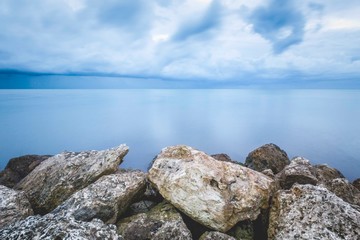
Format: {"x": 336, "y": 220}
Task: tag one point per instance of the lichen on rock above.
{"x": 161, "y": 222}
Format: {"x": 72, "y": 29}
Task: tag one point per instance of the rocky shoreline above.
{"x": 186, "y": 194}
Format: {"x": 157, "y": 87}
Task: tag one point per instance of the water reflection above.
{"x": 321, "y": 125}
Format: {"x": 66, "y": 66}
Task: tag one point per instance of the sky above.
{"x": 216, "y": 41}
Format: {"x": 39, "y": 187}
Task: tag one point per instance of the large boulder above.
{"x": 14, "y": 206}
{"x": 211, "y": 235}
{"x": 214, "y": 193}
{"x": 105, "y": 199}
{"x": 312, "y": 212}
{"x": 58, "y": 177}
{"x": 161, "y": 222}
{"x": 56, "y": 227}
{"x": 19, "y": 167}
{"x": 298, "y": 171}
{"x": 344, "y": 190}
{"x": 268, "y": 156}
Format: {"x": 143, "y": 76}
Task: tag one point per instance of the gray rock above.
{"x": 344, "y": 190}
{"x": 224, "y": 157}
{"x": 214, "y": 193}
{"x": 312, "y": 212}
{"x": 243, "y": 231}
{"x": 141, "y": 207}
{"x": 58, "y": 177}
{"x": 356, "y": 183}
{"x": 215, "y": 235}
{"x": 326, "y": 174}
{"x": 105, "y": 199}
{"x": 161, "y": 223}
{"x": 14, "y": 206}
{"x": 19, "y": 167}
{"x": 268, "y": 156}
{"x": 298, "y": 171}
{"x": 51, "y": 227}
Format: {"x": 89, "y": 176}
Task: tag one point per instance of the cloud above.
{"x": 134, "y": 15}
{"x": 182, "y": 39}
{"x": 209, "y": 20}
{"x": 316, "y": 6}
{"x": 280, "y": 23}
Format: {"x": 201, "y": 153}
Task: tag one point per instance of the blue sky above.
{"x": 227, "y": 41}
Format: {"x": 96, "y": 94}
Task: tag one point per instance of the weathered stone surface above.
{"x": 298, "y": 171}
{"x": 105, "y": 199}
{"x": 243, "y": 230}
{"x": 224, "y": 157}
{"x": 14, "y": 206}
{"x": 325, "y": 174}
{"x": 215, "y": 193}
{"x": 58, "y": 177}
{"x": 344, "y": 190}
{"x": 268, "y": 156}
{"x": 312, "y": 212}
{"x": 161, "y": 222}
{"x": 54, "y": 227}
{"x": 141, "y": 207}
{"x": 215, "y": 235}
{"x": 19, "y": 167}
{"x": 356, "y": 183}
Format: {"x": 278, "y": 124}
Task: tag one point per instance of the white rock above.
{"x": 214, "y": 193}
{"x": 14, "y": 206}
{"x": 50, "y": 227}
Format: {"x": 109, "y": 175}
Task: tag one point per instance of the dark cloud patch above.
{"x": 134, "y": 15}
{"x": 316, "y": 7}
{"x": 209, "y": 20}
{"x": 280, "y": 23}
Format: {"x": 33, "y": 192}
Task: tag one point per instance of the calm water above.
{"x": 321, "y": 125}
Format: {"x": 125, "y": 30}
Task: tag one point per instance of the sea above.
{"x": 320, "y": 125}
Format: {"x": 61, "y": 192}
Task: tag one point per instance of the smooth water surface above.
{"x": 321, "y": 125}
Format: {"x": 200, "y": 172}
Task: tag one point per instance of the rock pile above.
{"x": 187, "y": 194}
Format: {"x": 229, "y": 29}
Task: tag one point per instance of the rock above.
{"x": 269, "y": 173}
{"x": 161, "y": 222}
{"x": 243, "y": 230}
{"x": 344, "y": 190}
{"x": 58, "y": 177}
{"x": 105, "y": 199}
{"x": 268, "y": 156}
{"x": 312, "y": 212}
{"x": 325, "y": 174}
{"x": 152, "y": 194}
{"x": 55, "y": 227}
{"x": 19, "y": 167}
{"x": 356, "y": 183}
{"x": 298, "y": 171}
{"x": 14, "y": 206}
{"x": 224, "y": 157}
{"x": 141, "y": 207}
{"x": 214, "y": 193}
{"x": 215, "y": 235}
